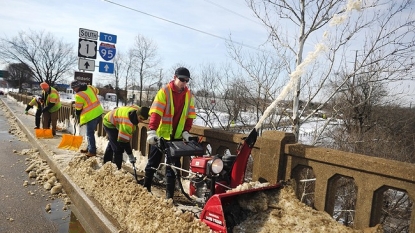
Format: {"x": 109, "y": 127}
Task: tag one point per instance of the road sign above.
{"x": 106, "y": 67}
{"x": 107, "y": 51}
{"x": 107, "y": 37}
{"x": 85, "y": 64}
{"x": 84, "y": 77}
{"x": 88, "y": 34}
{"x": 87, "y": 48}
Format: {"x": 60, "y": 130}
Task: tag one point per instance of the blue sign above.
{"x": 107, "y": 37}
{"x": 107, "y": 51}
{"x": 106, "y": 67}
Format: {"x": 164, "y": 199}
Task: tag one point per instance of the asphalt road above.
{"x": 21, "y": 211}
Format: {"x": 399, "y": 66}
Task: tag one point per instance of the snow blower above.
{"x": 212, "y": 177}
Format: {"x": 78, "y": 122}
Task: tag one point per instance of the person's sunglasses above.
{"x": 184, "y": 80}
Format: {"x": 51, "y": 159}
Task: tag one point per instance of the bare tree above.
{"x": 123, "y": 71}
{"x": 144, "y": 52}
{"x": 220, "y": 97}
{"x": 261, "y": 82}
{"x": 381, "y": 30}
{"x": 49, "y": 59}
{"x": 19, "y": 73}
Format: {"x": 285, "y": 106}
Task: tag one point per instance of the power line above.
{"x": 182, "y": 25}
{"x": 231, "y": 11}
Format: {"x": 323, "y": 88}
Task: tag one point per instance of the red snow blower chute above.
{"x": 212, "y": 176}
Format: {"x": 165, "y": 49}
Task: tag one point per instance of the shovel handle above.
{"x": 135, "y": 173}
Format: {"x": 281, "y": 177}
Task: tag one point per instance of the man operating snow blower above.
{"x": 171, "y": 117}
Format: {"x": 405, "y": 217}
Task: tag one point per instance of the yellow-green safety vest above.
{"x": 89, "y": 103}
{"x": 118, "y": 118}
{"x": 163, "y": 105}
{"x": 53, "y": 97}
{"x": 33, "y": 102}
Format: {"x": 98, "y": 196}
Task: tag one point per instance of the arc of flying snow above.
{"x": 312, "y": 56}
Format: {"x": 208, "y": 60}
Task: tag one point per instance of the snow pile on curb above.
{"x": 130, "y": 204}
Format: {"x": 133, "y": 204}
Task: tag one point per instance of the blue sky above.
{"x": 176, "y": 44}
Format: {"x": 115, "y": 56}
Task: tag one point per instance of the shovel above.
{"x": 43, "y": 133}
{"x": 135, "y": 173}
{"x": 71, "y": 142}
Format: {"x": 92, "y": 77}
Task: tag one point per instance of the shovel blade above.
{"x": 43, "y": 133}
{"x": 70, "y": 142}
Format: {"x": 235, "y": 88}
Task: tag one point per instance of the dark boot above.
{"x": 171, "y": 184}
{"x": 148, "y": 179}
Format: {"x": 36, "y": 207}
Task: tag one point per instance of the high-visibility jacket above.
{"x": 35, "y": 103}
{"x": 163, "y": 105}
{"x": 88, "y": 102}
{"x": 52, "y": 97}
{"x": 118, "y": 118}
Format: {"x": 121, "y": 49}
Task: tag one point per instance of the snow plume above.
{"x": 312, "y": 56}
{"x": 294, "y": 76}
{"x": 354, "y": 5}
{"x": 340, "y": 18}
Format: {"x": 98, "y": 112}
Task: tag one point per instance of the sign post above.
{"x": 87, "y": 50}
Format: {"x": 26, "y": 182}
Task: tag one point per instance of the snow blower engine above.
{"x": 212, "y": 176}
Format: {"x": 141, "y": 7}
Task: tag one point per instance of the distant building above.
{"x": 3, "y": 73}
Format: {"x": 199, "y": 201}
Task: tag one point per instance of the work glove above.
{"x": 185, "y": 136}
{"x": 152, "y": 137}
{"x": 26, "y": 112}
{"x": 131, "y": 158}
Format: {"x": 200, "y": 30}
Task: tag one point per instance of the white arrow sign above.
{"x": 106, "y": 67}
{"x": 85, "y": 64}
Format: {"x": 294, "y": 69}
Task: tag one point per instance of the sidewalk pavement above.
{"x": 92, "y": 218}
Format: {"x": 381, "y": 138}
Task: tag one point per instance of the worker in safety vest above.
{"x": 171, "y": 117}
{"x": 50, "y": 107}
{"x": 120, "y": 125}
{"x": 88, "y": 111}
{"x": 35, "y": 102}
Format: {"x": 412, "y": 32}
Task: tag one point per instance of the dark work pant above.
{"x": 37, "y": 117}
{"x": 114, "y": 150}
{"x": 48, "y": 118}
{"x": 154, "y": 160}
